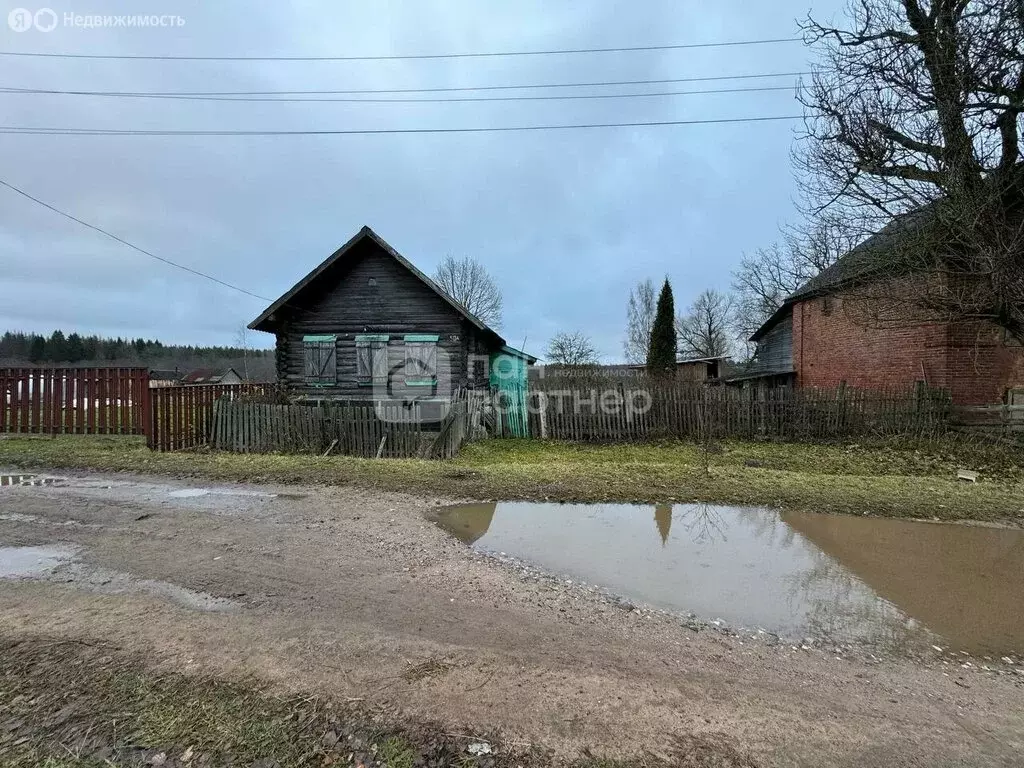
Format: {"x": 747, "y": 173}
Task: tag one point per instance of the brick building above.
{"x": 823, "y": 335}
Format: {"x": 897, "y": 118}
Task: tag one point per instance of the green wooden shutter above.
{"x": 380, "y": 362}
{"x": 420, "y": 360}
{"x": 364, "y": 361}
{"x": 310, "y": 361}
{"x": 328, "y": 367}
{"x": 319, "y": 359}
{"x": 428, "y": 361}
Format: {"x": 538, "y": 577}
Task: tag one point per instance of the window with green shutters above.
{"x": 319, "y": 360}
{"x": 421, "y": 359}
{"x": 372, "y": 358}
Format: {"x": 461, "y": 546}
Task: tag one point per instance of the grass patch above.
{"x": 69, "y": 704}
{"x": 73, "y": 705}
{"x": 890, "y": 478}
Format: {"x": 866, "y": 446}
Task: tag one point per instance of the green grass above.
{"x": 72, "y": 704}
{"x": 890, "y": 478}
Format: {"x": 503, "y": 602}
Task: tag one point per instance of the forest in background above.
{"x": 74, "y": 349}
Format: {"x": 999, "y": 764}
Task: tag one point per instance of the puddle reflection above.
{"x": 891, "y": 583}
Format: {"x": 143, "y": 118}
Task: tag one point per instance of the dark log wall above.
{"x": 368, "y": 292}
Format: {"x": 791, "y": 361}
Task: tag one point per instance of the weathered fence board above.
{"x": 623, "y": 411}
{"x": 79, "y": 401}
{"x": 181, "y": 417}
{"x": 991, "y": 418}
{"x": 387, "y": 430}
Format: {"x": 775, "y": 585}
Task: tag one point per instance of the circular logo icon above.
{"x": 45, "y": 20}
{"x": 20, "y": 20}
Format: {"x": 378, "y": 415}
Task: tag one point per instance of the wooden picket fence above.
{"x": 74, "y": 401}
{"x": 181, "y": 417}
{"x": 1006, "y": 419}
{"x": 626, "y": 412}
{"x": 380, "y": 430}
{"x": 245, "y": 418}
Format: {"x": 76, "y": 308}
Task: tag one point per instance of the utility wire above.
{"x": 403, "y": 100}
{"x": 134, "y": 247}
{"x": 21, "y": 130}
{"x": 356, "y": 91}
{"x": 407, "y": 57}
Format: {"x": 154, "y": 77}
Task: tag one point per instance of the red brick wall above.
{"x": 830, "y": 345}
{"x": 982, "y": 365}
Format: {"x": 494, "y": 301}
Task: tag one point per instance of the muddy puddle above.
{"x": 31, "y": 562}
{"x": 198, "y": 493}
{"x": 893, "y": 584}
{"x": 60, "y": 564}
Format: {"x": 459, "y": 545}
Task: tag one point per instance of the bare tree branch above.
{"x": 468, "y": 282}
{"x": 766, "y": 277}
{"x": 916, "y": 105}
{"x": 705, "y": 330}
{"x": 643, "y": 300}
{"x": 571, "y": 350}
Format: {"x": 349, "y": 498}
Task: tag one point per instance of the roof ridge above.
{"x": 367, "y": 232}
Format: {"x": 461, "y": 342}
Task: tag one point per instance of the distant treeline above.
{"x": 75, "y": 349}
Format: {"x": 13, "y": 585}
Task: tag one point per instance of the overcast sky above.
{"x": 566, "y": 221}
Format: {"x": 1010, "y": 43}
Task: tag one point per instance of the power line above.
{"x": 376, "y": 91}
{"x": 403, "y": 100}
{"x": 143, "y": 251}
{"x": 407, "y": 57}
{"x": 21, "y": 130}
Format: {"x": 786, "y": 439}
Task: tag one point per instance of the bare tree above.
{"x": 916, "y": 106}
{"x": 640, "y": 311}
{"x": 242, "y": 342}
{"x": 706, "y": 328}
{"x": 766, "y": 277}
{"x": 468, "y": 282}
{"x": 571, "y": 350}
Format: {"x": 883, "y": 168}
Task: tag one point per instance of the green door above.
{"x": 508, "y": 379}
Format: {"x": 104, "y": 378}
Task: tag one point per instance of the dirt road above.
{"x": 355, "y": 594}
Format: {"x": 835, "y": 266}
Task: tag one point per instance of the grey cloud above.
{"x": 567, "y": 221}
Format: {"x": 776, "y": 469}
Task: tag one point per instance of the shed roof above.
{"x": 761, "y": 373}
{"x": 157, "y": 374}
{"x": 265, "y": 321}
{"x": 513, "y": 352}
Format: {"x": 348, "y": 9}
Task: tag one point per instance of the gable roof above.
{"x": 207, "y": 376}
{"x": 199, "y": 376}
{"x": 858, "y": 265}
{"x": 364, "y": 234}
